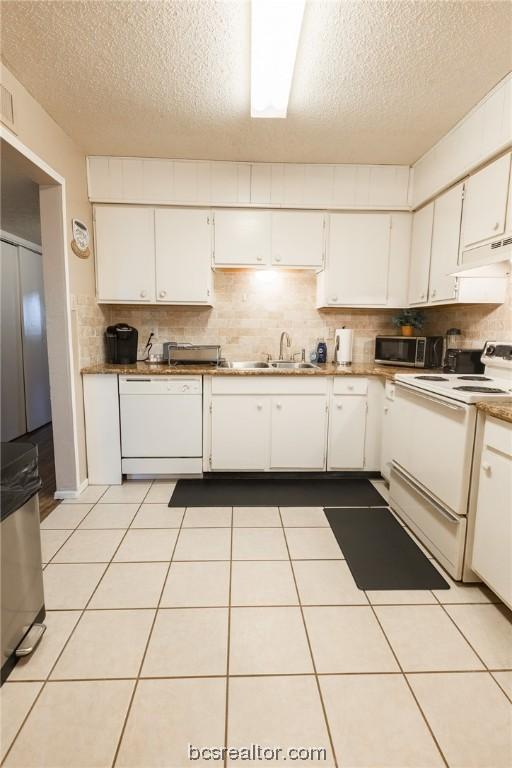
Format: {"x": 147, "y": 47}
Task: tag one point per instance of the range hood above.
{"x": 490, "y": 260}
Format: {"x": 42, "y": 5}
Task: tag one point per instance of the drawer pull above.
{"x": 486, "y": 467}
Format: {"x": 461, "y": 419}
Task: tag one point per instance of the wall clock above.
{"x": 80, "y": 242}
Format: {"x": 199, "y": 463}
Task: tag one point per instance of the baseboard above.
{"x": 72, "y": 494}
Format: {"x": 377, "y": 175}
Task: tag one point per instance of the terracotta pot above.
{"x": 407, "y": 330}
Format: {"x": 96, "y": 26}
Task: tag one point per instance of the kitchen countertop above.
{"x": 328, "y": 369}
{"x": 498, "y": 410}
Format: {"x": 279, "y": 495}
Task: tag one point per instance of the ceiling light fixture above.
{"x": 275, "y": 32}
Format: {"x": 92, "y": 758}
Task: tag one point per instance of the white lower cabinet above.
{"x": 492, "y": 544}
{"x": 265, "y": 423}
{"x": 298, "y": 432}
{"x": 347, "y": 432}
{"x": 240, "y": 432}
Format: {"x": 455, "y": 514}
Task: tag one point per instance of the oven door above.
{"x": 432, "y": 441}
{"x": 395, "y": 350}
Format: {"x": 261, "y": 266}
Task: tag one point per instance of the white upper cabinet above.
{"x": 485, "y": 204}
{"x": 125, "y": 254}
{"x": 481, "y": 135}
{"x": 421, "y": 243}
{"x": 357, "y": 260}
{"x": 183, "y": 242}
{"x": 273, "y": 185}
{"x": 242, "y": 238}
{"x": 297, "y": 239}
{"x": 445, "y": 245}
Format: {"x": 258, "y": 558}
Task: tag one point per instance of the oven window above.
{"x": 396, "y": 350}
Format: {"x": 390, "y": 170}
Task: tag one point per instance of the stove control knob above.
{"x": 491, "y": 350}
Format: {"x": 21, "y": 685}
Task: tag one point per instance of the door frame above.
{"x": 53, "y": 213}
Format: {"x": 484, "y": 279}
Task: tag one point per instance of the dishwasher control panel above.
{"x": 160, "y": 385}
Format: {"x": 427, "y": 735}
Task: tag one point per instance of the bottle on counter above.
{"x": 321, "y": 351}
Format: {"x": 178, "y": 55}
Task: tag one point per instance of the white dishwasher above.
{"x": 161, "y": 424}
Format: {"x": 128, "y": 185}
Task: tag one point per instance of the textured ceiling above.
{"x": 375, "y": 81}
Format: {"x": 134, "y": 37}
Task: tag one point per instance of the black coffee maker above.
{"x": 121, "y": 342}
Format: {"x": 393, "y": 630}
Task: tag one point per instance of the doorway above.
{"x": 24, "y": 368}
{"x": 53, "y": 426}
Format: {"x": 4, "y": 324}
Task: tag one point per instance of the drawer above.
{"x": 444, "y": 536}
{"x": 350, "y": 385}
{"x": 266, "y": 384}
{"x": 498, "y": 435}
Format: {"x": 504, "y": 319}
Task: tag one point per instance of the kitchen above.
{"x": 283, "y": 432}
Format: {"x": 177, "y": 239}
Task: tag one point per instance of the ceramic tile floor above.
{"x": 214, "y": 627}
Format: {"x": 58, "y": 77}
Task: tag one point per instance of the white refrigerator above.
{"x": 25, "y": 385}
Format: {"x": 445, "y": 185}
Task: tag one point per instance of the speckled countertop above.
{"x": 498, "y": 410}
{"x": 329, "y": 369}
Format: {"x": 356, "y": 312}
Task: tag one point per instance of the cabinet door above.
{"x": 13, "y": 423}
{"x": 358, "y": 258}
{"x": 485, "y": 204}
{"x": 347, "y": 431}
{"x": 242, "y": 238}
{"x": 183, "y": 256}
{"x": 298, "y": 426}
{"x": 125, "y": 253}
{"x": 445, "y": 244}
{"x": 35, "y": 350}
{"x": 421, "y": 243}
{"x": 240, "y": 427}
{"x": 297, "y": 239}
{"x": 492, "y": 548}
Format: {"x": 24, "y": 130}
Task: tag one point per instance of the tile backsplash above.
{"x": 253, "y": 307}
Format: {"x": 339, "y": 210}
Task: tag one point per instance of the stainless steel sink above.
{"x": 244, "y": 365}
{"x": 289, "y": 364}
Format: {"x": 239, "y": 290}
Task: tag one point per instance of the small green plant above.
{"x": 409, "y": 317}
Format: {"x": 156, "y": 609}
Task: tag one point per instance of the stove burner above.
{"x": 474, "y": 378}
{"x": 485, "y": 390}
{"x": 431, "y": 378}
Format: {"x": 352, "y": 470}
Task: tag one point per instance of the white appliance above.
{"x": 433, "y": 434}
{"x": 344, "y": 338}
{"x": 25, "y": 382}
{"x": 161, "y": 424}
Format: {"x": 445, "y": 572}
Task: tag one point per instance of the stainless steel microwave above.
{"x": 415, "y": 351}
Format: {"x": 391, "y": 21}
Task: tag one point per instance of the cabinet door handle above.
{"x": 143, "y": 294}
{"x": 278, "y": 258}
{"x": 496, "y": 226}
{"x": 486, "y": 467}
{"x": 334, "y": 298}
{"x": 162, "y": 294}
{"x": 259, "y": 258}
{"x": 350, "y": 386}
{"x": 259, "y": 406}
{"x": 434, "y": 292}
{"x": 339, "y": 406}
{"x": 279, "y": 406}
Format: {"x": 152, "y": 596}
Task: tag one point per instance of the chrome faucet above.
{"x": 284, "y": 336}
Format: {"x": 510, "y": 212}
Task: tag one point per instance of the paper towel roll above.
{"x": 344, "y": 338}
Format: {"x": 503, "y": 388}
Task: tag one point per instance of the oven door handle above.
{"x": 438, "y": 401}
{"x": 452, "y": 518}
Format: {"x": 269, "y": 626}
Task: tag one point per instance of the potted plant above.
{"x": 409, "y": 320}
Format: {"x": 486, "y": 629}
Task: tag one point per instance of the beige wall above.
{"x": 41, "y": 134}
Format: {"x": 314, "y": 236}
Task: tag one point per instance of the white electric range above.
{"x": 433, "y": 437}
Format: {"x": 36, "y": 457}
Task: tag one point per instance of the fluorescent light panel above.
{"x": 275, "y": 32}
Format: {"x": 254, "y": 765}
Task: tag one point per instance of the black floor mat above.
{"x": 380, "y": 553}
{"x": 275, "y": 492}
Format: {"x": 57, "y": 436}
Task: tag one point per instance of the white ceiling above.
{"x": 375, "y": 81}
